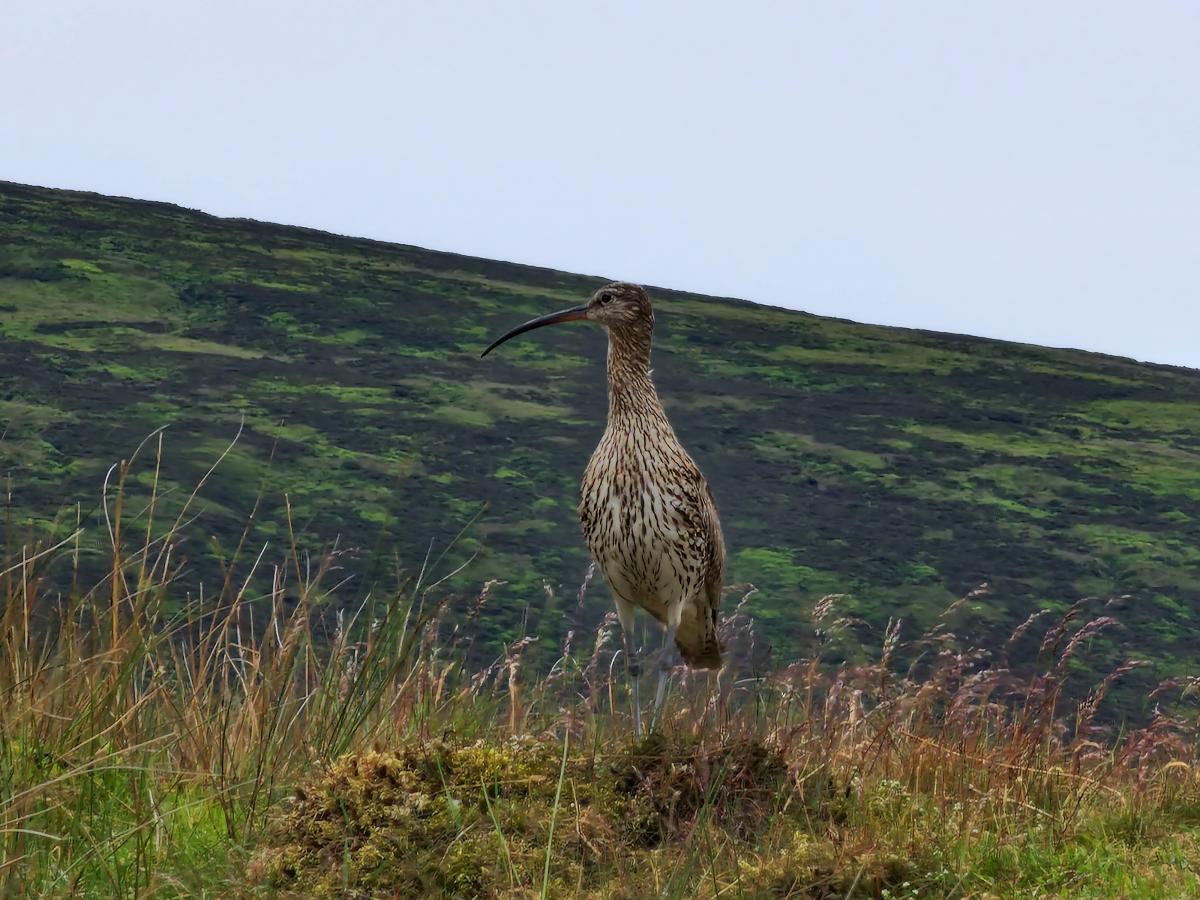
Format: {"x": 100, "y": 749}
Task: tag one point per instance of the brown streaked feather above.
{"x": 647, "y": 512}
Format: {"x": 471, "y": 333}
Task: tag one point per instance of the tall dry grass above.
{"x": 139, "y": 707}
{"x": 151, "y": 730}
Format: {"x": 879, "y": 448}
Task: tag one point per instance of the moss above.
{"x": 786, "y": 446}
{"x": 474, "y": 819}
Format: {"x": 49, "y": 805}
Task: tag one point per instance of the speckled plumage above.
{"x": 648, "y": 515}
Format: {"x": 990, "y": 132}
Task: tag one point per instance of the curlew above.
{"x": 647, "y": 513}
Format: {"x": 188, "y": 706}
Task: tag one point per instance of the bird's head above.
{"x": 621, "y": 307}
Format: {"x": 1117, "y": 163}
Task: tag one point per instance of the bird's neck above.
{"x": 631, "y": 393}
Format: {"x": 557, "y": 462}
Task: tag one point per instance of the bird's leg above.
{"x": 633, "y": 669}
{"x": 666, "y": 662}
{"x": 633, "y": 661}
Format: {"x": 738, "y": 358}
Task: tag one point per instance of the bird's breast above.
{"x": 635, "y": 508}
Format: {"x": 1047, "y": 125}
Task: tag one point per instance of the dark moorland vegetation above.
{"x": 232, "y": 662}
{"x": 903, "y": 468}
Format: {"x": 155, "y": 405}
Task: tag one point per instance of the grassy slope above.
{"x": 905, "y": 467}
{"x": 147, "y": 751}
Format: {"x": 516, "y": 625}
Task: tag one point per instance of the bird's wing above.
{"x": 698, "y": 522}
{"x": 714, "y": 574}
{"x": 697, "y": 637}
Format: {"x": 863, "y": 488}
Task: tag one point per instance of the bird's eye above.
{"x": 606, "y": 298}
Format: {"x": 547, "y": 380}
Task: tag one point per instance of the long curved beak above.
{"x": 563, "y": 315}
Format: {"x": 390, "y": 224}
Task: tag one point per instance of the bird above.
{"x": 648, "y": 514}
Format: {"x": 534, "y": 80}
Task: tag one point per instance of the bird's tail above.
{"x": 707, "y": 656}
{"x": 697, "y": 642}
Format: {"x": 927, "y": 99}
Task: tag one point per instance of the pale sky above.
{"x": 1018, "y": 170}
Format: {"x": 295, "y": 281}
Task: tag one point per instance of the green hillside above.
{"x": 902, "y": 467}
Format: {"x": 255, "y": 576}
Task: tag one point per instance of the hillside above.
{"x": 902, "y": 467}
